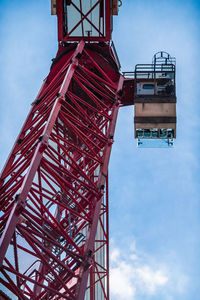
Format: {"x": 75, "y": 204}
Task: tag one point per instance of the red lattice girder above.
{"x": 54, "y": 216}
{"x": 84, "y": 20}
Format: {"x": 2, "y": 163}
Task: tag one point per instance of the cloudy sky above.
{"x": 154, "y": 193}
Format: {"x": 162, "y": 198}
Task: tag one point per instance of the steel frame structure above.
{"x": 88, "y": 20}
{"x": 54, "y": 225}
{"x": 52, "y": 185}
{"x": 54, "y": 221}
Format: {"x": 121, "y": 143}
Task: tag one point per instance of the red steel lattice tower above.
{"x": 53, "y": 187}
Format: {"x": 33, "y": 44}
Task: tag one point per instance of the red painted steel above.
{"x": 88, "y": 20}
{"x": 54, "y": 220}
{"x": 54, "y": 225}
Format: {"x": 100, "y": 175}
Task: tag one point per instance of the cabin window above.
{"x": 155, "y": 133}
{"x": 170, "y": 133}
{"x": 139, "y": 133}
{"x": 147, "y": 86}
{"x": 163, "y": 133}
{"x": 147, "y": 133}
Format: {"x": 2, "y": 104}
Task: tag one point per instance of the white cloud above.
{"x": 150, "y": 280}
{"x": 133, "y": 256}
{"x": 136, "y": 274}
{"x": 133, "y": 246}
{"x": 114, "y": 255}
{"x": 121, "y": 281}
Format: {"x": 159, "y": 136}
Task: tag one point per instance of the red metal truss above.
{"x": 54, "y": 211}
{"x": 88, "y": 20}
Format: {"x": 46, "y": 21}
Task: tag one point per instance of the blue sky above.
{"x": 154, "y": 193}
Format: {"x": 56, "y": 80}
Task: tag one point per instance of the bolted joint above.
{"x": 16, "y": 197}
{"x": 40, "y": 138}
{"x": 102, "y": 187}
{"x": 119, "y": 93}
{"x": 43, "y": 139}
{"x": 88, "y": 261}
{"x": 42, "y": 147}
{"x": 89, "y": 257}
{"x": 36, "y": 102}
{"x": 19, "y": 141}
{"x": 20, "y": 203}
{"x": 79, "y": 55}
{"x": 90, "y": 253}
{"x": 74, "y": 63}
{"x": 118, "y": 101}
{"x": 62, "y": 100}
{"x": 110, "y": 142}
{"x": 103, "y": 174}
